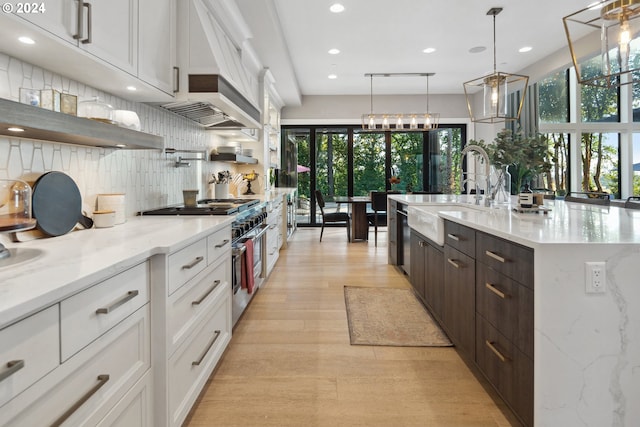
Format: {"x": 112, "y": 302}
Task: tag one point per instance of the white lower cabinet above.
{"x": 135, "y": 408}
{"x": 192, "y": 317}
{"x": 29, "y": 350}
{"x": 191, "y": 365}
{"x": 83, "y": 390}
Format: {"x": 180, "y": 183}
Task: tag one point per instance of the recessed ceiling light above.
{"x": 429, "y": 50}
{"x": 334, "y": 51}
{"x": 336, "y": 8}
{"x": 132, "y": 88}
{"x": 26, "y": 40}
{"x": 477, "y": 49}
{"x": 333, "y": 76}
{"x": 525, "y": 49}
{"x": 15, "y": 129}
{"x": 121, "y": 145}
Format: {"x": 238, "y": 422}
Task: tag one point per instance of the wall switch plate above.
{"x": 596, "y": 278}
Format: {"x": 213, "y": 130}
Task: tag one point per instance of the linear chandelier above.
{"x": 496, "y": 88}
{"x": 616, "y": 24}
{"x": 400, "y": 121}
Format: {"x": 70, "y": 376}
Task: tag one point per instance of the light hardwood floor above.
{"x": 290, "y": 363}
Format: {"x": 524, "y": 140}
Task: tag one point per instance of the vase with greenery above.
{"x": 524, "y": 157}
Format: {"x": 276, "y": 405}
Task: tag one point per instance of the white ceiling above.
{"x": 292, "y": 38}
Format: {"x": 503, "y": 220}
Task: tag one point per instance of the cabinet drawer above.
{"x": 460, "y": 237}
{"x": 218, "y": 244}
{"x": 134, "y": 409}
{"x": 90, "y": 313}
{"x": 194, "y": 361}
{"x": 83, "y": 390}
{"x": 188, "y": 304}
{"x": 506, "y": 305}
{"x": 508, "y": 258}
{"x": 32, "y": 347}
{"x": 186, "y": 263}
{"x": 506, "y": 368}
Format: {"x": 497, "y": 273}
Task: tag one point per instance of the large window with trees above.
{"x": 590, "y": 132}
{"x": 346, "y": 161}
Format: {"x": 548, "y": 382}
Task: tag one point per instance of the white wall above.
{"x": 148, "y": 177}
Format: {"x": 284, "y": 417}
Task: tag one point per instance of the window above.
{"x": 636, "y": 164}
{"x": 556, "y": 179}
{"x": 407, "y": 161}
{"x": 369, "y": 155}
{"x": 598, "y": 104}
{"x": 554, "y": 98}
{"x": 599, "y": 156}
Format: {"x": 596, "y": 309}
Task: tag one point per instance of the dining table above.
{"x": 359, "y": 221}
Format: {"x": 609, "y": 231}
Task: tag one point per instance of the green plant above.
{"x": 525, "y": 156}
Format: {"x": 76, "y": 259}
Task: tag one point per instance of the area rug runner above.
{"x": 391, "y": 317}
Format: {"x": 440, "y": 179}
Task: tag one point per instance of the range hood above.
{"x": 214, "y": 103}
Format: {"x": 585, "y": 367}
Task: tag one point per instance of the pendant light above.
{"x": 613, "y": 24}
{"x": 495, "y": 88}
{"x": 396, "y": 121}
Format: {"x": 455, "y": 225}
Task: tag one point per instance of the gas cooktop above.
{"x": 206, "y": 207}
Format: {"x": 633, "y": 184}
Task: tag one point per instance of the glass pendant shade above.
{"x": 495, "y": 88}
{"x": 614, "y": 25}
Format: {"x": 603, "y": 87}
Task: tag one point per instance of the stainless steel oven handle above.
{"x": 265, "y": 228}
{"x": 239, "y": 250}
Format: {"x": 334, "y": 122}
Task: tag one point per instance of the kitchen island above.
{"x": 586, "y": 346}
{"x": 119, "y": 325}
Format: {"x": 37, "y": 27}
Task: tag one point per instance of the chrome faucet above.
{"x": 488, "y": 195}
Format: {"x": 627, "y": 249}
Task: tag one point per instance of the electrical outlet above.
{"x": 596, "y": 277}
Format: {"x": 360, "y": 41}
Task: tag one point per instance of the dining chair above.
{"x": 332, "y": 217}
{"x": 379, "y": 207}
{"x": 632, "y": 202}
{"x": 593, "y": 198}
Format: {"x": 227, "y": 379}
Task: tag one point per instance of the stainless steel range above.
{"x": 249, "y": 224}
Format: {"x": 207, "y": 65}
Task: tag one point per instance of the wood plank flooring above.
{"x": 290, "y": 363}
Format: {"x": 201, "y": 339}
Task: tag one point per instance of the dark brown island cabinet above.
{"x": 480, "y": 289}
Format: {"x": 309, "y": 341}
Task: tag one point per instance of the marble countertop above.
{"x": 66, "y": 264}
{"x": 566, "y": 223}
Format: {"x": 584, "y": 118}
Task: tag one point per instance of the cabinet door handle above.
{"x": 199, "y": 361}
{"x": 493, "y": 348}
{"x": 495, "y": 290}
{"x": 224, "y": 242}
{"x": 129, "y": 296}
{"x": 193, "y": 263}
{"x": 13, "y": 367}
{"x": 454, "y": 263}
{"x": 495, "y": 256}
{"x": 80, "y": 21}
{"x": 102, "y": 380}
{"x": 176, "y": 84}
{"x": 203, "y": 297}
{"x": 89, "y": 32}
{"x": 453, "y": 237}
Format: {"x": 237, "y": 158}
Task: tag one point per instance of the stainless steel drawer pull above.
{"x": 193, "y": 263}
{"x": 129, "y": 296}
{"x": 13, "y": 367}
{"x": 213, "y": 341}
{"x": 496, "y": 290}
{"x": 453, "y": 237}
{"x": 422, "y": 244}
{"x": 454, "y": 263}
{"x": 495, "y": 256}
{"x": 224, "y": 242}
{"x": 102, "y": 380}
{"x": 89, "y": 31}
{"x": 203, "y": 297}
{"x": 79, "y": 21}
{"x": 493, "y": 348}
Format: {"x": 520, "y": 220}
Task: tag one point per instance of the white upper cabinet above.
{"x": 108, "y": 30}
{"x": 135, "y": 36}
{"x": 157, "y": 43}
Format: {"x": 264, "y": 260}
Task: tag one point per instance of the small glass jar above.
{"x": 95, "y": 109}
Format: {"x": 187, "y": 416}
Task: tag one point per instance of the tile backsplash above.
{"x": 147, "y": 177}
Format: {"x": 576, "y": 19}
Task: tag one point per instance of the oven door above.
{"x": 259, "y": 237}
